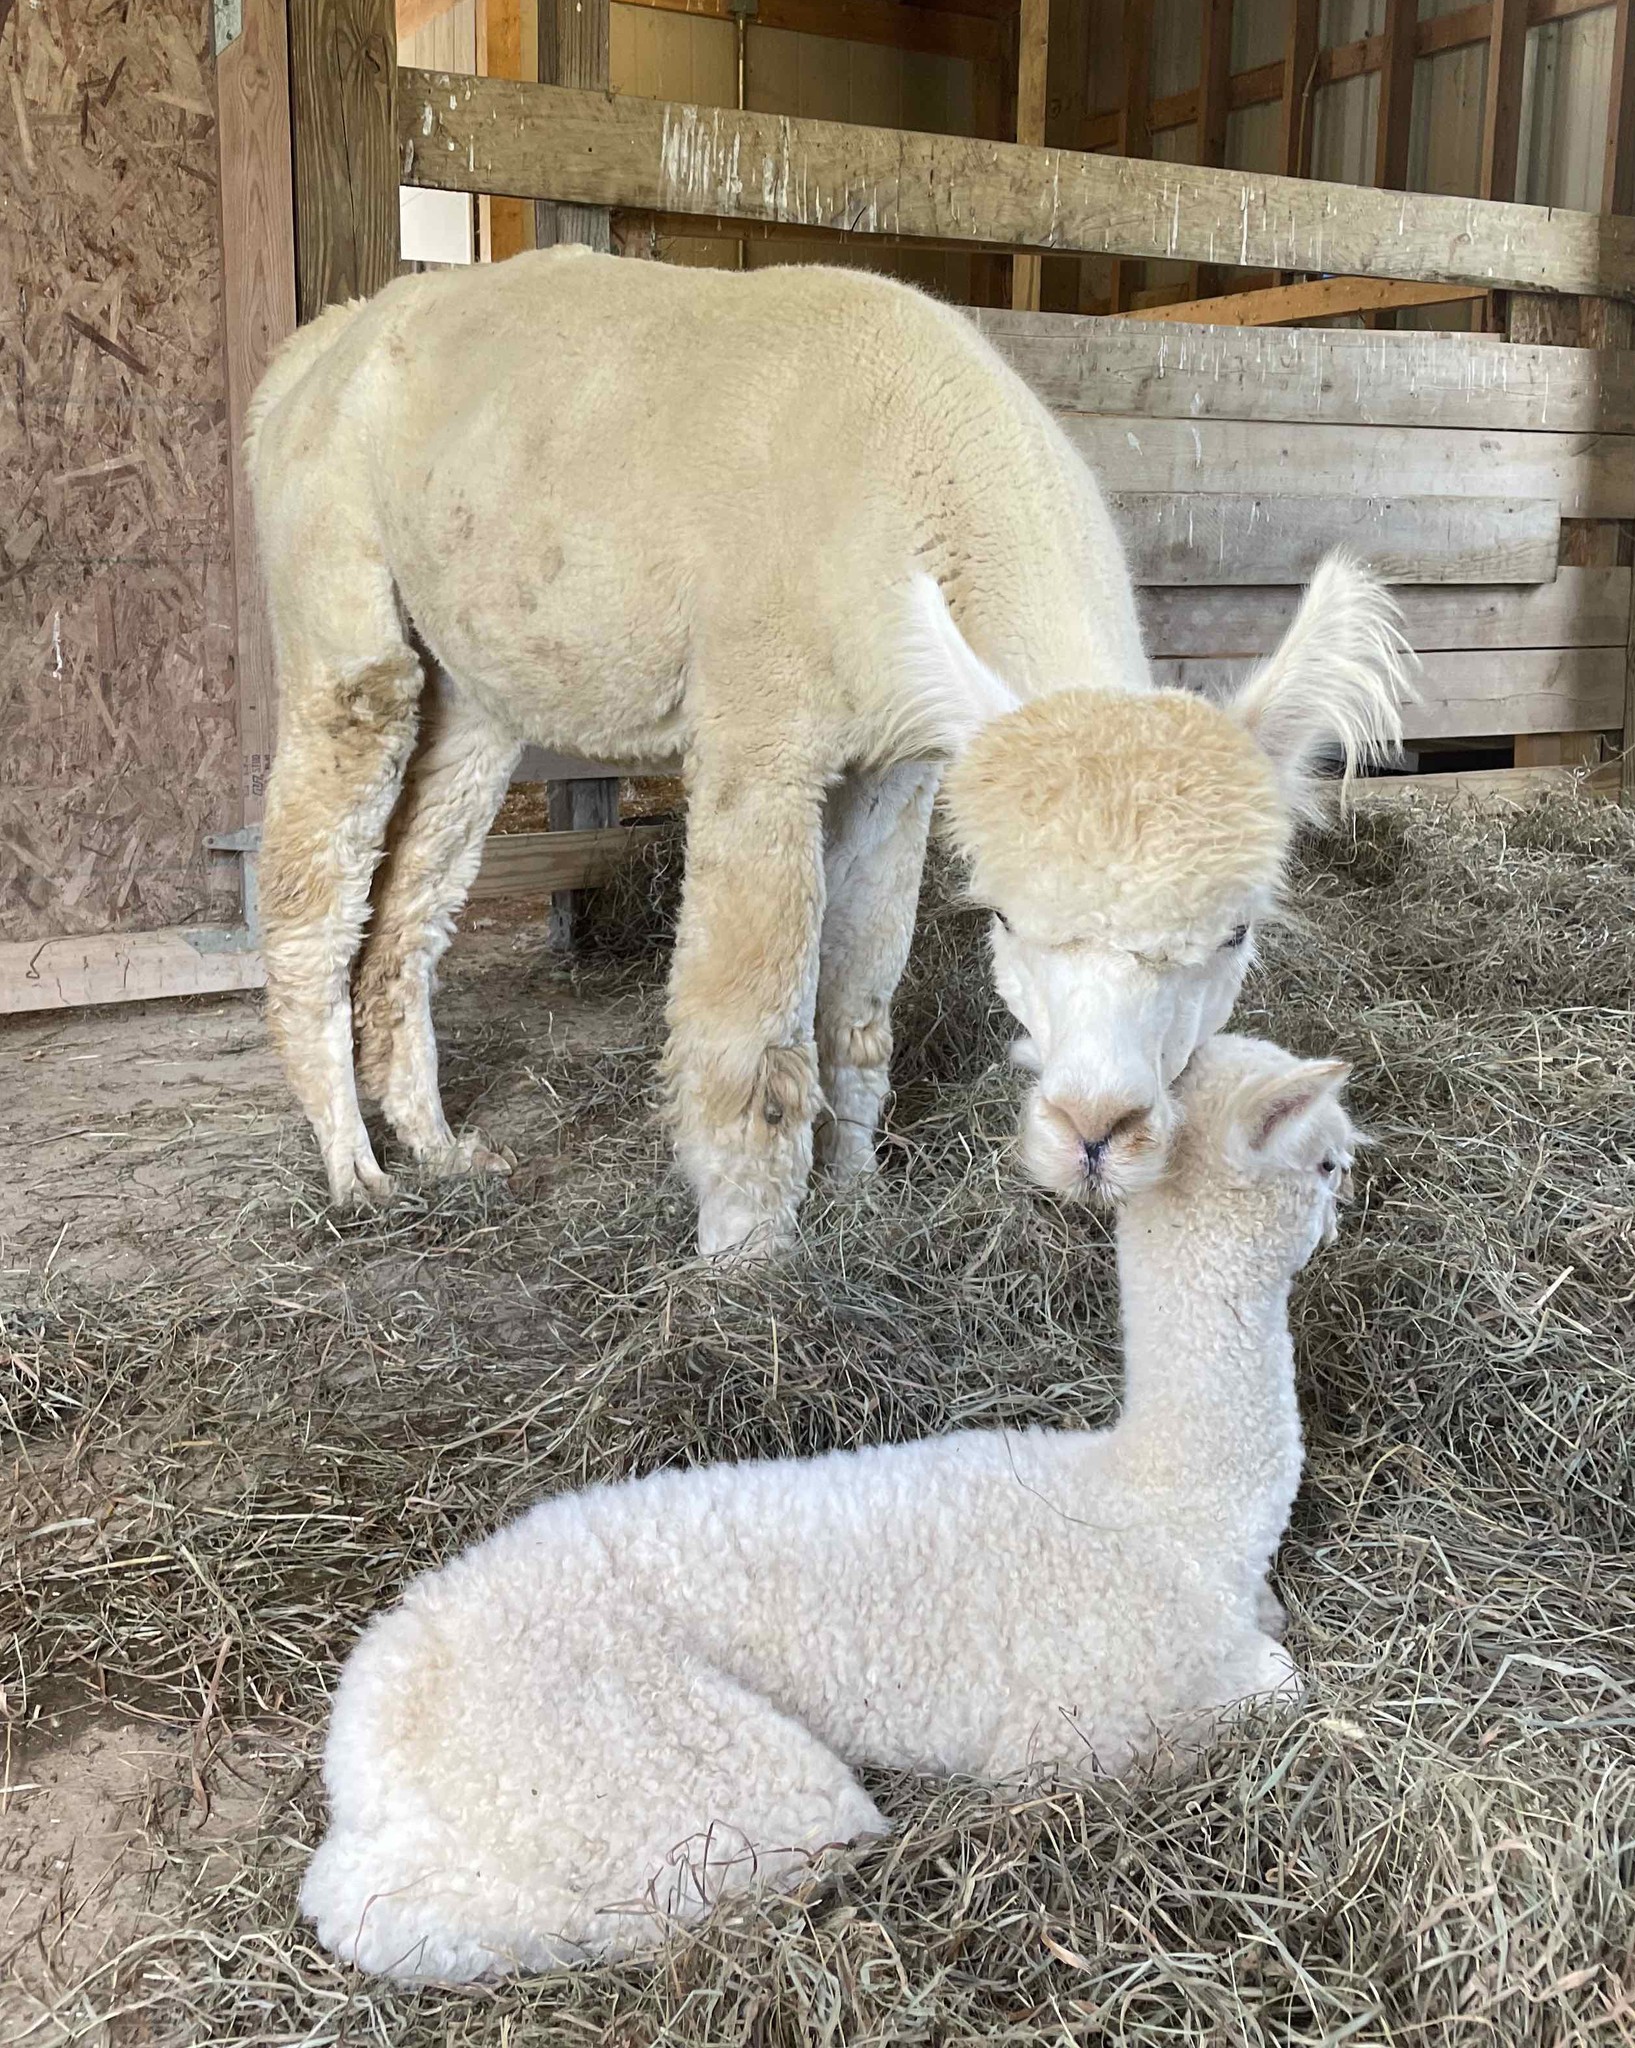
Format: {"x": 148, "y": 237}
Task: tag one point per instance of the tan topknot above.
{"x": 1086, "y": 815}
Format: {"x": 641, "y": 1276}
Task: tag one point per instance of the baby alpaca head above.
{"x": 1264, "y": 1144}
{"x": 1128, "y": 842}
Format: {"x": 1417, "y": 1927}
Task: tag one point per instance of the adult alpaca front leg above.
{"x": 876, "y": 832}
{"x": 741, "y": 1066}
{"x": 347, "y": 725}
{"x": 454, "y": 784}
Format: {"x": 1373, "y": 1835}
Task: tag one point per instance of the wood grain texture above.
{"x": 1299, "y": 69}
{"x": 1484, "y": 787}
{"x": 1201, "y": 537}
{"x": 1581, "y": 608}
{"x": 1214, "y": 104}
{"x": 476, "y": 135}
{"x": 1315, "y": 298}
{"x": 343, "y": 69}
{"x": 1588, "y": 476}
{"x": 1618, "y": 175}
{"x": 1475, "y": 695}
{"x": 574, "y": 38}
{"x": 1032, "y": 70}
{"x": 1501, "y": 112}
{"x": 1339, "y": 375}
{"x": 1396, "y": 105}
{"x": 258, "y": 311}
{"x": 124, "y": 967}
{"x": 544, "y": 863}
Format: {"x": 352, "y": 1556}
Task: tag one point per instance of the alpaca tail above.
{"x": 1336, "y": 682}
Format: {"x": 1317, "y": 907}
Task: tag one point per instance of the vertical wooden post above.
{"x": 1501, "y": 122}
{"x": 1134, "y": 120}
{"x": 1396, "y": 95}
{"x": 1032, "y": 59}
{"x": 1299, "y": 74}
{"x": 573, "y": 50}
{"x": 343, "y": 92}
{"x": 1618, "y": 178}
{"x": 258, "y": 311}
{"x": 506, "y": 225}
{"x": 1214, "y": 80}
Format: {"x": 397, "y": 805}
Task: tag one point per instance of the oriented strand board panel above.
{"x": 1199, "y": 536}
{"x": 118, "y": 737}
{"x": 1335, "y": 375}
{"x": 1588, "y": 476}
{"x": 1471, "y": 695}
{"x": 1581, "y": 608}
{"x": 494, "y": 135}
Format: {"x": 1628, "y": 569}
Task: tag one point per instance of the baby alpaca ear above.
{"x": 1271, "y": 1117}
{"x": 1337, "y": 681}
{"x": 951, "y": 692}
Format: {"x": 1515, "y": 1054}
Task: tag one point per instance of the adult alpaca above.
{"x": 641, "y": 512}
{"x": 639, "y": 1697}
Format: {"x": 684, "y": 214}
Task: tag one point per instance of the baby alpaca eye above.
{"x": 1237, "y": 938}
{"x": 1003, "y": 919}
{"x": 1328, "y": 1166}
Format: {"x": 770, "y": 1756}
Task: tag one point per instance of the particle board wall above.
{"x": 118, "y": 731}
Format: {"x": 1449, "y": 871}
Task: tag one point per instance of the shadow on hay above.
{"x": 1438, "y": 1846}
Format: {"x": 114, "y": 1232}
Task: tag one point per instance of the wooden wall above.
{"x": 118, "y": 735}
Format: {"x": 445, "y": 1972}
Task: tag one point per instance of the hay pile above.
{"x": 1438, "y": 1847}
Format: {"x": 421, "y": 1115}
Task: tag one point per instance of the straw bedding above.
{"x": 1438, "y": 1847}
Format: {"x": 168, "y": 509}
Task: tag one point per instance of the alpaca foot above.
{"x": 470, "y": 1153}
{"x": 845, "y": 1151}
{"x": 355, "y": 1177}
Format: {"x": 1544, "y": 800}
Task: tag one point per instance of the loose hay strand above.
{"x": 222, "y": 1473}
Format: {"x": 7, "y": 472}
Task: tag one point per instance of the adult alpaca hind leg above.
{"x": 349, "y": 687}
{"x": 876, "y": 826}
{"x": 458, "y": 774}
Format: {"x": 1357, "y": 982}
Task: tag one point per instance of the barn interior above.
{"x": 1265, "y": 261}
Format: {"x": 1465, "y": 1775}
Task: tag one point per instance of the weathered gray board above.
{"x": 1581, "y": 608}
{"x": 1335, "y": 376}
{"x": 1469, "y": 695}
{"x": 1590, "y": 476}
{"x": 1203, "y": 537}
{"x": 493, "y": 135}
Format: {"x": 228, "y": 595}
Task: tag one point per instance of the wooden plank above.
{"x": 1618, "y": 175}
{"x": 1214, "y": 81}
{"x": 1299, "y": 72}
{"x": 546, "y": 863}
{"x": 1501, "y": 118}
{"x": 125, "y": 967}
{"x": 343, "y": 69}
{"x": 574, "y": 42}
{"x": 1588, "y": 476}
{"x": 1581, "y": 608}
{"x": 491, "y": 135}
{"x": 961, "y": 33}
{"x": 1032, "y": 60}
{"x": 506, "y": 224}
{"x": 1483, "y": 786}
{"x": 1199, "y": 537}
{"x": 258, "y": 311}
{"x": 1134, "y": 136}
{"x": 1396, "y": 107}
{"x": 1474, "y": 695}
{"x": 1339, "y": 375}
{"x": 1317, "y": 298}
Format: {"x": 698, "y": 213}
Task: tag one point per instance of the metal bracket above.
{"x": 229, "y": 20}
{"x": 246, "y": 842}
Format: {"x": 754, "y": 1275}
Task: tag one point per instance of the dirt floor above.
{"x": 232, "y": 1425}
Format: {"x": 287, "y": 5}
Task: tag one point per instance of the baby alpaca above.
{"x": 639, "y": 1698}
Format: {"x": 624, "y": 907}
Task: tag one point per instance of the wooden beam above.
{"x": 1299, "y": 80}
{"x": 1501, "y": 119}
{"x": 1326, "y": 376}
{"x": 1481, "y": 786}
{"x": 1320, "y": 298}
{"x": 574, "y": 40}
{"x": 1618, "y": 175}
{"x": 942, "y": 32}
{"x": 506, "y": 225}
{"x": 1214, "y": 81}
{"x": 1032, "y": 61}
{"x": 258, "y": 311}
{"x": 481, "y": 134}
{"x": 125, "y": 967}
{"x": 549, "y": 863}
{"x": 343, "y": 71}
{"x": 1134, "y": 136}
{"x": 1396, "y": 110}
{"x": 1188, "y": 538}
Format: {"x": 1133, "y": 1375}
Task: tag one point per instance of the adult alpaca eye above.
{"x": 1327, "y": 1166}
{"x": 1237, "y": 938}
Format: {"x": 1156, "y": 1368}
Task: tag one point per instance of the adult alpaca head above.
{"x": 1128, "y": 844}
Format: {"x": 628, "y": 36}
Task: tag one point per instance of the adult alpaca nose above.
{"x": 1098, "y": 1122}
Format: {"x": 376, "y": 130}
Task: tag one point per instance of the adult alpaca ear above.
{"x": 1337, "y": 681}
{"x": 1270, "y": 1117}
{"x": 951, "y": 693}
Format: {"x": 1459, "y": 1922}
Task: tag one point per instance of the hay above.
{"x": 1438, "y": 1847}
